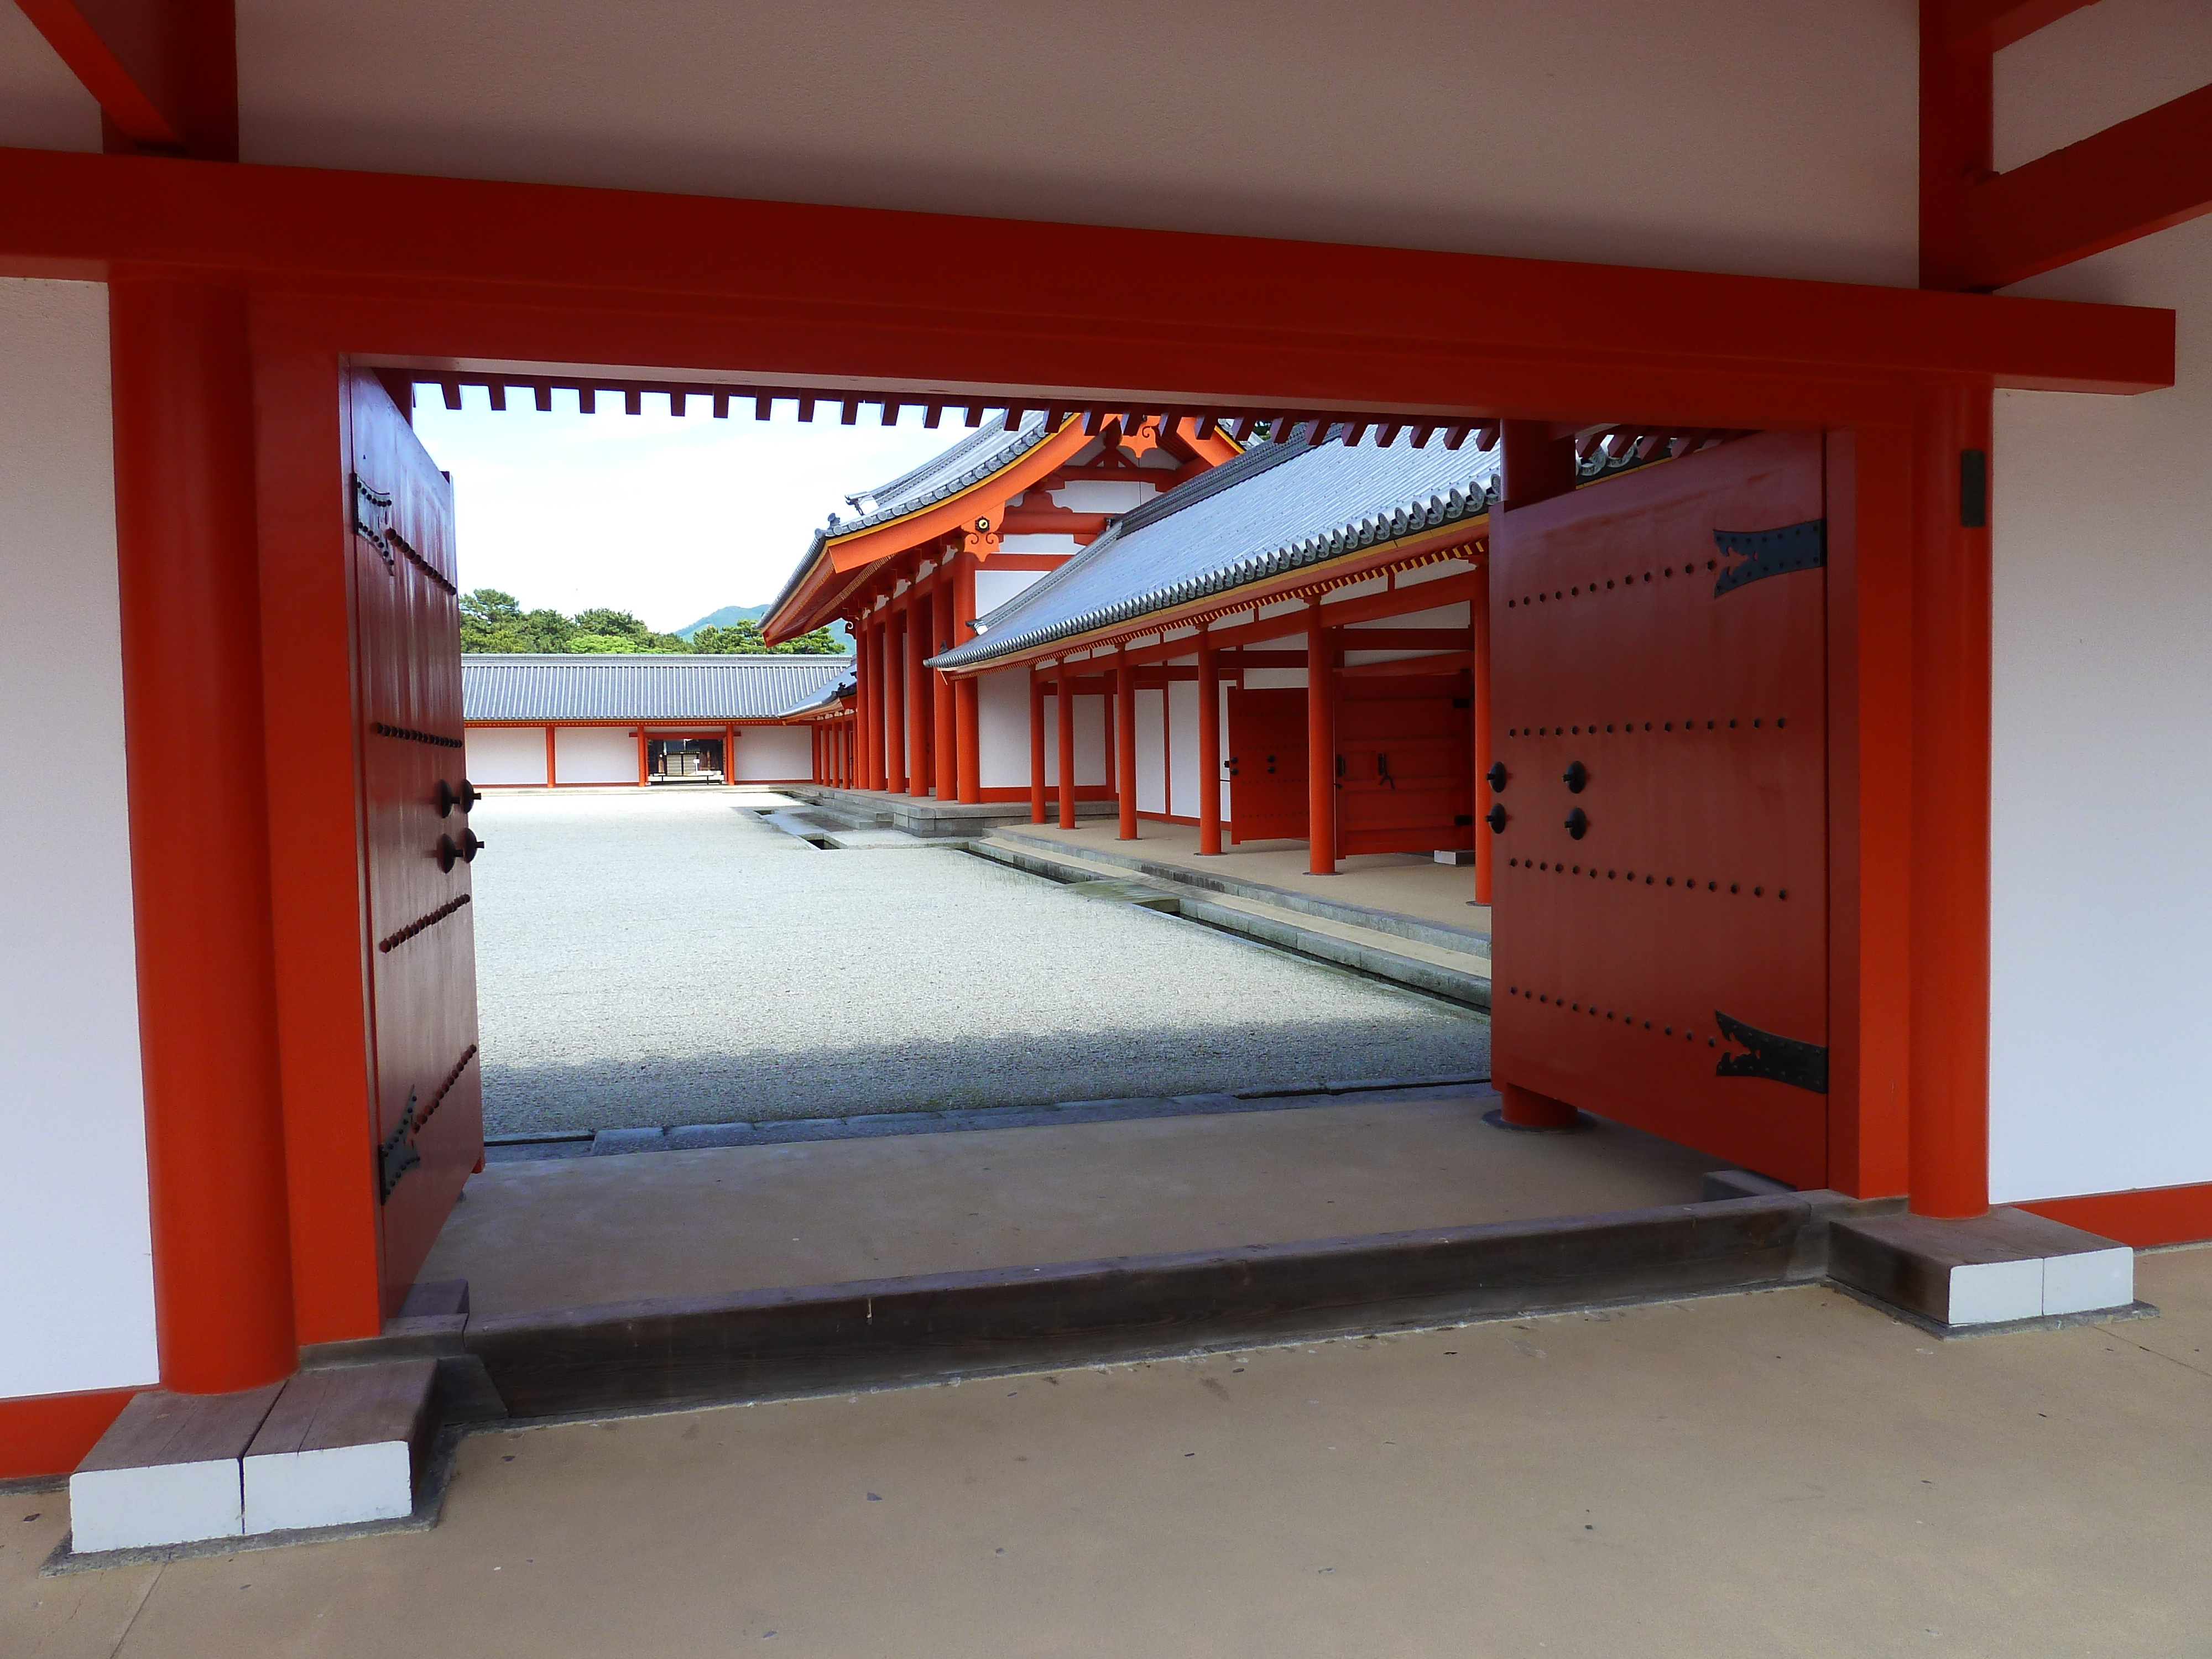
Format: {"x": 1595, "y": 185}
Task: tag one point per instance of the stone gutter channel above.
{"x": 688, "y": 1137}
{"x": 1433, "y": 957}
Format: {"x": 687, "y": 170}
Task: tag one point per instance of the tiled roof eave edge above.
{"x": 1245, "y": 573}
{"x": 958, "y": 484}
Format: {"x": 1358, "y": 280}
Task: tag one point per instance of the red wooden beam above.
{"x": 2128, "y": 181}
{"x": 164, "y": 72}
{"x": 1993, "y": 25}
{"x": 750, "y": 284}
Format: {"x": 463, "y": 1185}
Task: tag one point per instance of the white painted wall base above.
{"x": 333, "y": 1487}
{"x": 163, "y": 1504}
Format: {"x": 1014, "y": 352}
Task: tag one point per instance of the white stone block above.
{"x": 2088, "y": 1280}
{"x": 160, "y": 1504}
{"x": 334, "y": 1487}
{"x": 1992, "y": 1293}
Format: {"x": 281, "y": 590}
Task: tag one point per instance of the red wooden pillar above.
{"x": 872, "y": 768}
{"x": 1125, "y": 743}
{"x": 944, "y": 762}
{"x": 1321, "y": 745}
{"x": 1064, "y": 691}
{"x": 1036, "y": 746}
{"x": 895, "y": 701}
{"x": 967, "y": 722}
{"x": 644, "y": 763}
{"x": 1951, "y": 714}
{"x": 1485, "y": 851}
{"x": 729, "y": 754}
{"x": 920, "y": 715}
{"x": 552, "y": 772}
{"x": 200, "y": 826}
{"x": 1209, "y": 744}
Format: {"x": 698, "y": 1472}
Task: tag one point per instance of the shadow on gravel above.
{"x": 918, "y": 1075}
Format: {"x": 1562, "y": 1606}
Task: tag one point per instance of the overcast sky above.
{"x": 669, "y": 519}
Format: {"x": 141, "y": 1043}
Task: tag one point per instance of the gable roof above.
{"x": 975, "y": 457}
{"x": 641, "y": 688}
{"x": 834, "y": 692}
{"x": 1277, "y": 507}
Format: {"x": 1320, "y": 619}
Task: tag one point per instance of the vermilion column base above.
{"x": 1526, "y": 1110}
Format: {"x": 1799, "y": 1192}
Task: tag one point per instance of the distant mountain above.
{"x": 730, "y": 614}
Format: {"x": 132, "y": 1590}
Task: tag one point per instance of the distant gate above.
{"x": 1266, "y": 765}
{"x": 1405, "y": 762}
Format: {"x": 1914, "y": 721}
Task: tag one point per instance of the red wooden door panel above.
{"x": 1659, "y": 642}
{"x": 1405, "y": 763}
{"x": 429, "y": 1133}
{"x": 1266, "y": 765}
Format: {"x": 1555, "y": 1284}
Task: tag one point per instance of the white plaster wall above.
{"x": 42, "y": 105}
{"x": 1182, "y": 747}
{"x": 1102, "y": 495}
{"x": 77, "y": 1294}
{"x": 595, "y": 754}
{"x": 1090, "y": 724}
{"x": 996, "y": 588}
{"x": 1261, "y": 679}
{"x": 773, "y": 754}
{"x": 1152, "y": 751}
{"x": 1002, "y": 724}
{"x": 506, "y": 754}
{"x": 2101, "y": 891}
{"x": 2097, "y": 66}
{"x": 1766, "y": 136}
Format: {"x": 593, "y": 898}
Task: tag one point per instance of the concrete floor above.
{"x": 565, "y": 1233}
{"x": 1413, "y": 884}
{"x": 663, "y": 958}
{"x": 1736, "y": 1478}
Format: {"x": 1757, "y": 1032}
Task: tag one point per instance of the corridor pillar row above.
{"x": 1321, "y": 744}
{"x": 1125, "y": 743}
{"x": 1036, "y": 746}
{"x": 944, "y": 762}
{"x": 1209, "y": 744}
{"x": 200, "y": 825}
{"x": 967, "y": 722}
{"x": 1064, "y": 699}
{"x": 918, "y": 718}
{"x": 895, "y": 746}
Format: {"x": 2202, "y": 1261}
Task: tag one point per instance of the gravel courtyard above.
{"x": 670, "y": 958}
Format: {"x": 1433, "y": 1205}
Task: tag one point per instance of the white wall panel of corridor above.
{"x": 74, "y": 1227}
{"x": 2101, "y": 987}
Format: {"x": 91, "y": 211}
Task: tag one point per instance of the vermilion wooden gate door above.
{"x": 1659, "y": 939}
{"x": 1267, "y": 763}
{"x": 428, "y": 1133}
{"x": 1405, "y": 752}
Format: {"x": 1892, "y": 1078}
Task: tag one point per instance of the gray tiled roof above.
{"x": 1277, "y": 507}
{"x": 829, "y": 696}
{"x": 641, "y": 688}
{"x": 975, "y": 457}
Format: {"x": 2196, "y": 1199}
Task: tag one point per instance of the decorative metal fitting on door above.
{"x": 1577, "y": 824}
{"x": 1576, "y": 777}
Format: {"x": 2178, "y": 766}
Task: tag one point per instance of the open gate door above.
{"x": 428, "y": 1132}
{"x": 1661, "y": 886}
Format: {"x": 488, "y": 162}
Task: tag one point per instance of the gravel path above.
{"x": 673, "y": 959}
